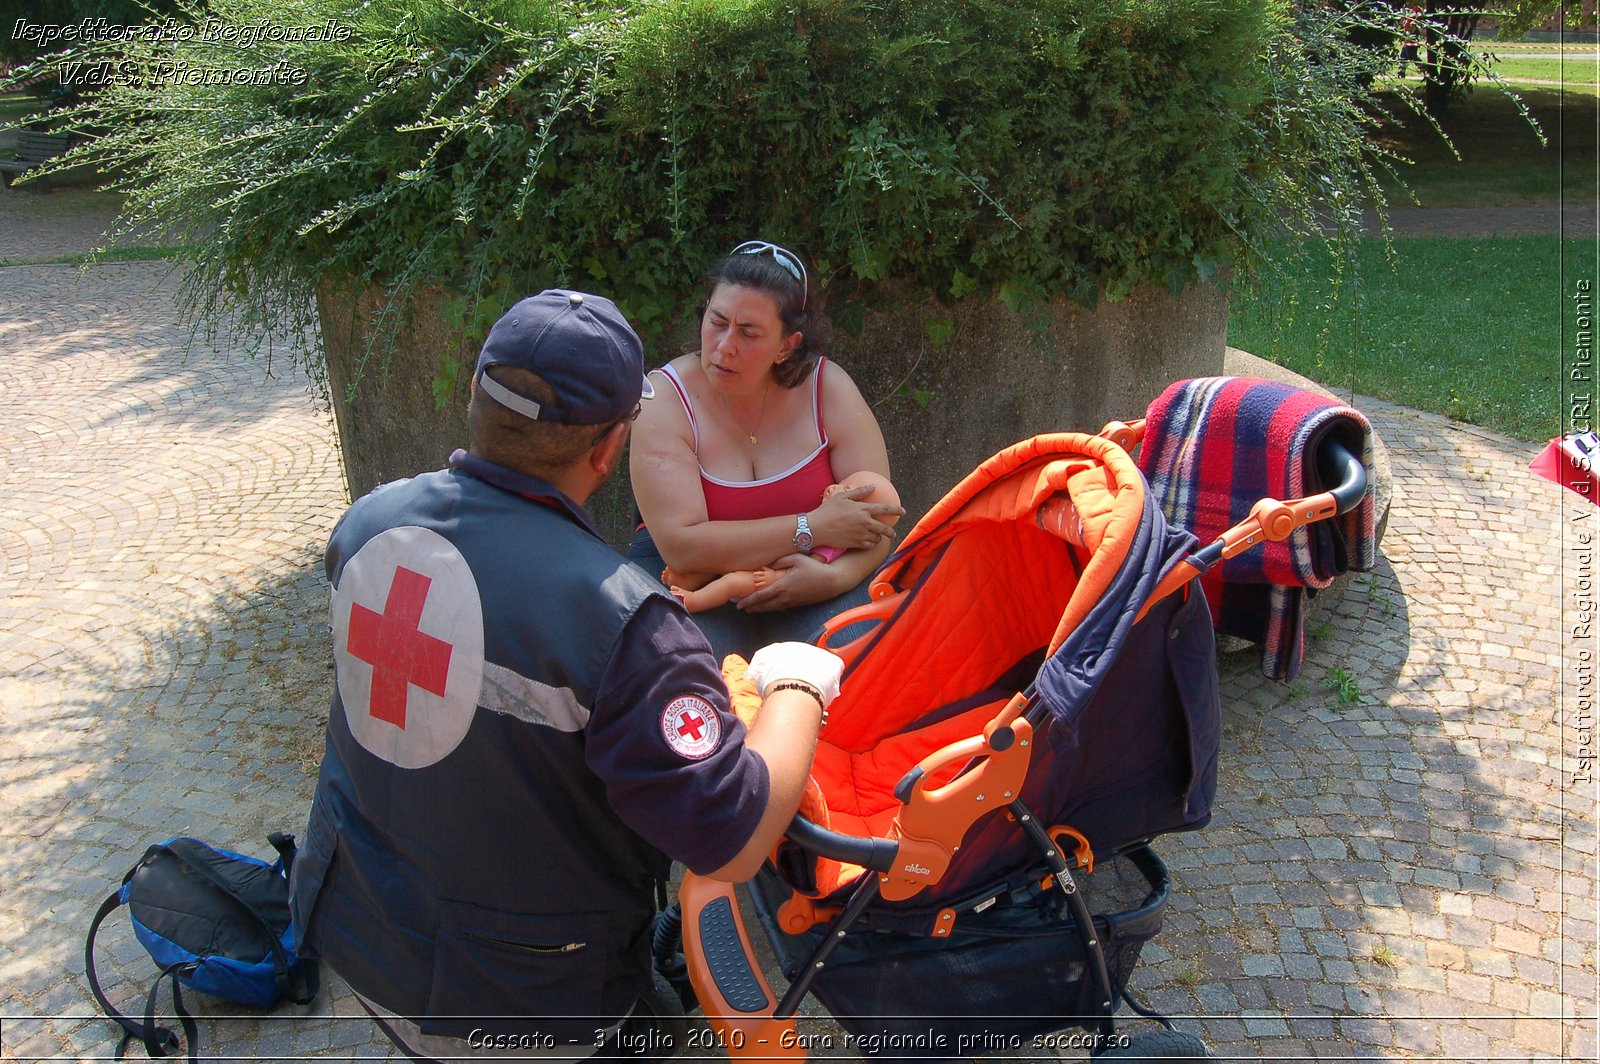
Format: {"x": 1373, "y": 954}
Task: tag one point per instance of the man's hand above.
{"x": 809, "y": 664}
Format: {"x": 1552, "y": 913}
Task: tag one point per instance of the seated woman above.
{"x": 704, "y": 591}
{"x": 730, "y": 461}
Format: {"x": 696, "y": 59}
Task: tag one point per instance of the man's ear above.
{"x": 606, "y": 456}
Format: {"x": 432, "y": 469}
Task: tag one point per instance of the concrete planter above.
{"x": 390, "y": 423}
{"x": 999, "y": 378}
{"x": 1002, "y": 377}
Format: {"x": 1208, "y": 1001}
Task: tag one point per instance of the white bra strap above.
{"x": 816, "y": 400}
{"x": 683, "y": 397}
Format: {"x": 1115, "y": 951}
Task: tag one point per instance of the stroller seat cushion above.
{"x": 862, "y": 785}
{"x": 862, "y": 782}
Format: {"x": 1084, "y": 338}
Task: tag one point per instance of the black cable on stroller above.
{"x": 1081, "y": 917}
{"x": 666, "y": 953}
{"x": 1146, "y": 1011}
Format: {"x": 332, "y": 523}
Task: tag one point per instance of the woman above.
{"x": 731, "y": 459}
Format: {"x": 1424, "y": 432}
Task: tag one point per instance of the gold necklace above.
{"x": 750, "y": 434}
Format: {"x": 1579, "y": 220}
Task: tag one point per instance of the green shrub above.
{"x": 1023, "y": 149}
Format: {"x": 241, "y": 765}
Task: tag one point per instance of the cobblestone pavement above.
{"x": 1407, "y": 873}
{"x": 78, "y": 219}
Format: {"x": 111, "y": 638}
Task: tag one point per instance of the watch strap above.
{"x": 803, "y": 540}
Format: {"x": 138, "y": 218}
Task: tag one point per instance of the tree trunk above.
{"x": 381, "y": 380}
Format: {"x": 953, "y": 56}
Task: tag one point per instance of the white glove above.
{"x": 796, "y": 661}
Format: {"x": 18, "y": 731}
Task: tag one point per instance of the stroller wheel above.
{"x": 1159, "y": 1045}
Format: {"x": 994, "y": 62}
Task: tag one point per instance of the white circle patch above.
{"x": 691, "y": 726}
{"x": 408, "y": 646}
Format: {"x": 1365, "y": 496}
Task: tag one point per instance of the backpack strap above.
{"x": 309, "y": 979}
{"x": 310, "y": 976}
{"x": 159, "y": 1041}
{"x": 283, "y": 842}
{"x": 158, "y": 1046}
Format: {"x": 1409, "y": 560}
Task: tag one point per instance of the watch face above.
{"x": 802, "y": 541}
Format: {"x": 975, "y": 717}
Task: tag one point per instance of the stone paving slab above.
{"x": 1408, "y": 874}
{"x": 163, "y": 613}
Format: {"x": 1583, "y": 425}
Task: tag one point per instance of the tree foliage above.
{"x": 1443, "y": 32}
{"x": 1025, "y": 149}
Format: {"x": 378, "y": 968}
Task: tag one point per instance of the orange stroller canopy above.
{"x": 1034, "y": 566}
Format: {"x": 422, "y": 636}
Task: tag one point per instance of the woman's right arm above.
{"x": 666, "y": 485}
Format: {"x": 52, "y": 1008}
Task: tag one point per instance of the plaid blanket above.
{"x": 1213, "y": 447}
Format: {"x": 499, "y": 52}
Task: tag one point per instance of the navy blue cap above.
{"x": 581, "y": 346}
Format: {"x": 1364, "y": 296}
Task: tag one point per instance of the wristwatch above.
{"x": 802, "y": 534}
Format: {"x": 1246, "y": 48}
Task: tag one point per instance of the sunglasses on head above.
{"x": 782, "y": 256}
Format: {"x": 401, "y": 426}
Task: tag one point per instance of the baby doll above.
{"x": 701, "y": 591}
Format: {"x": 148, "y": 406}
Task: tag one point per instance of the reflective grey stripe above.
{"x": 508, "y": 398}
{"x": 528, "y": 700}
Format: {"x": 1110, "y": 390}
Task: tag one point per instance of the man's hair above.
{"x": 507, "y": 438}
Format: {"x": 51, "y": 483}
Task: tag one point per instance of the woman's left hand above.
{"x": 805, "y": 580}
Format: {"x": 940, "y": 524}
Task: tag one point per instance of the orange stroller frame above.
{"x": 957, "y": 793}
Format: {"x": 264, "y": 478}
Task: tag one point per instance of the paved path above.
{"x": 1407, "y": 875}
{"x": 1573, "y": 220}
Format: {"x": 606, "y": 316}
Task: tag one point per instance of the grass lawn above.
{"x": 1502, "y": 163}
{"x": 15, "y": 106}
{"x": 1468, "y": 328}
{"x": 1573, "y": 71}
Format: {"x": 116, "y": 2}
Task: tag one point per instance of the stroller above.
{"x": 1037, "y": 699}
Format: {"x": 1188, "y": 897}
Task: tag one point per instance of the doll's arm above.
{"x": 882, "y": 491}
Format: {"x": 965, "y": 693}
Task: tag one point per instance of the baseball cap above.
{"x": 581, "y": 346}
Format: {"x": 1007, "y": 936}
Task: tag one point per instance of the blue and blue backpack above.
{"x": 214, "y": 921}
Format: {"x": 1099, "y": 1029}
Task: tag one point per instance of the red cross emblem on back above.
{"x": 399, "y": 653}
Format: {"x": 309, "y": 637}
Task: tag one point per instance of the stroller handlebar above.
{"x": 1273, "y": 520}
{"x": 871, "y": 853}
{"x": 1352, "y": 475}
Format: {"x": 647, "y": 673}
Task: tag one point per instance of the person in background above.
{"x": 731, "y": 461}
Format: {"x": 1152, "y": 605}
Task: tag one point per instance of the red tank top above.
{"x": 796, "y": 490}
